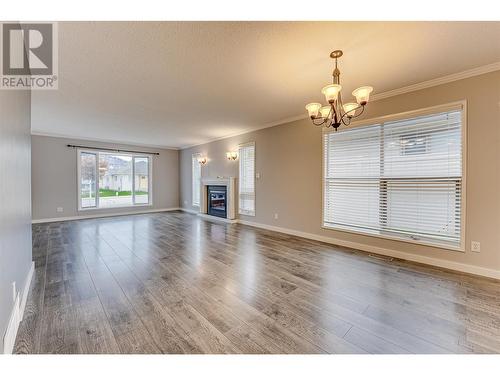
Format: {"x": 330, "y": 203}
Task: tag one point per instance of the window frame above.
{"x": 240, "y": 211}
{"x": 196, "y": 156}
{"x": 131, "y": 154}
{"x": 457, "y": 105}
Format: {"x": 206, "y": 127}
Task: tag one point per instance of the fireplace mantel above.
{"x": 230, "y": 184}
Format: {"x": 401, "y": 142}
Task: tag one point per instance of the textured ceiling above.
{"x": 181, "y": 83}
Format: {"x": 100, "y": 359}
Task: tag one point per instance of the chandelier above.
{"x": 335, "y": 113}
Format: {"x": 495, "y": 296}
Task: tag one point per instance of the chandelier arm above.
{"x": 323, "y": 121}
{"x": 341, "y": 106}
{"x": 354, "y": 111}
{"x": 346, "y": 121}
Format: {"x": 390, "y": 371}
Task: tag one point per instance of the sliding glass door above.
{"x": 108, "y": 180}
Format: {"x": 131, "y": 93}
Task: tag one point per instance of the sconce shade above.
{"x": 231, "y": 155}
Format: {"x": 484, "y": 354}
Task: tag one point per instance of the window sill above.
{"x": 422, "y": 242}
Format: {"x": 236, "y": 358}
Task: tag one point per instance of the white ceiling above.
{"x": 175, "y": 84}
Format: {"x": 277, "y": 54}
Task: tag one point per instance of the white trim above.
{"x": 249, "y": 130}
{"x": 448, "y": 264}
{"x": 189, "y": 211}
{"x": 82, "y": 217}
{"x": 17, "y": 313}
{"x": 26, "y": 289}
{"x": 484, "y": 69}
{"x": 209, "y": 217}
{"x": 9, "y": 339}
{"x": 460, "y": 105}
{"x": 215, "y": 218}
{"x": 439, "y": 81}
{"x": 101, "y": 140}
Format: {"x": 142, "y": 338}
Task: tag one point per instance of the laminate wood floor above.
{"x": 176, "y": 283}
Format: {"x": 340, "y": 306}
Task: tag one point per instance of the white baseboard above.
{"x": 210, "y": 217}
{"x": 26, "y": 289}
{"x": 456, "y": 266}
{"x": 95, "y": 216}
{"x": 215, "y": 218}
{"x": 17, "y": 314}
{"x": 189, "y": 211}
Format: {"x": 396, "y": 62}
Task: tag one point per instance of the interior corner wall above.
{"x": 288, "y": 158}
{"x": 54, "y": 178}
{"x": 15, "y": 205}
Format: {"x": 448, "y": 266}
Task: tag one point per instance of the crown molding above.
{"x": 249, "y": 130}
{"x": 91, "y": 139}
{"x": 439, "y": 81}
{"x": 383, "y": 95}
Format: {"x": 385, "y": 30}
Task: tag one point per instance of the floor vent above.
{"x": 381, "y": 257}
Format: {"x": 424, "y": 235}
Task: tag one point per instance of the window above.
{"x": 109, "y": 179}
{"x": 247, "y": 179}
{"x": 196, "y": 178}
{"x": 399, "y": 179}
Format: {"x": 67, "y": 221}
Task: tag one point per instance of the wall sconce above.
{"x": 232, "y": 155}
{"x": 202, "y": 160}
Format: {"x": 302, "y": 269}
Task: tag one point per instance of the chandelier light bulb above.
{"x": 325, "y": 111}
{"x": 350, "y": 109}
{"x": 313, "y": 109}
{"x": 362, "y": 94}
{"x": 331, "y": 92}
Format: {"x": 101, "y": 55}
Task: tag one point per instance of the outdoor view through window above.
{"x": 120, "y": 180}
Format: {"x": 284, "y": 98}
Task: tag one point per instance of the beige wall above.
{"x": 54, "y": 178}
{"x": 15, "y": 205}
{"x": 288, "y": 157}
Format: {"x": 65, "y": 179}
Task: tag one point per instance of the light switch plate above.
{"x": 275, "y": 216}
{"x": 257, "y": 175}
{"x": 475, "y": 246}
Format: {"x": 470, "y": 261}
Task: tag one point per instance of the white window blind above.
{"x": 247, "y": 179}
{"x": 398, "y": 179}
{"x": 196, "y": 179}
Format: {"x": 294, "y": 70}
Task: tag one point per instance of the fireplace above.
{"x": 227, "y": 185}
{"x": 216, "y": 200}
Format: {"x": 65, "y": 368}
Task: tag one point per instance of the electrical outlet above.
{"x": 14, "y": 291}
{"x": 275, "y": 216}
{"x": 257, "y": 175}
{"x": 475, "y": 246}
{"x": 59, "y": 209}
{"x": 185, "y": 202}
